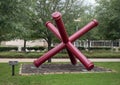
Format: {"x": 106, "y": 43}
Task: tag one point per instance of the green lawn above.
{"x": 62, "y": 79}
{"x": 90, "y": 54}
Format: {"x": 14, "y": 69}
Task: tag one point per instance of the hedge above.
{"x": 95, "y": 48}
{"x": 19, "y": 55}
{"x": 96, "y": 54}
{"x": 8, "y": 48}
{"x": 3, "y": 49}
{"x": 35, "y": 48}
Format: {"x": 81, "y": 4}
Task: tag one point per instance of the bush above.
{"x": 4, "y": 49}
{"x": 19, "y": 55}
{"x": 89, "y": 54}
{"x": 35, "y": 48}
{"x": 95, "y": 48}
{"x": 8, "y": 48}
{"x": 81, "y": 48}
{"x": 100, "y": 48}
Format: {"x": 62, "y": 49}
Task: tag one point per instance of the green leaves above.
{"x": 108, "y": 12}
{"x": 16, "y": 17}
{"x": 25, "y": 19}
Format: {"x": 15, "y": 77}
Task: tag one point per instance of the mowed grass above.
{"x": 62, "y": 79}
{"x": 89, "y": 54}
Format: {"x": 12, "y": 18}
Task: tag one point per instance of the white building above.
{"x": 20, "y": 43}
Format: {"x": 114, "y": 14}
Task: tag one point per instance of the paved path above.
{"x": 5, "y": 60}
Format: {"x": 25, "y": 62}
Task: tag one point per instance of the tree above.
{"x": 70, "y": 9}
{"x": 6, "y": 17}
{"x": 86, "y": 18}
{"x": 16, "y": 18}
{"x": 108, "y": 12}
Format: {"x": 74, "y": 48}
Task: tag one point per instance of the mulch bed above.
{"x": 58, "y": 68}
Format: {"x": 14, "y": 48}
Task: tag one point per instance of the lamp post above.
{"x": 77, "y": 21}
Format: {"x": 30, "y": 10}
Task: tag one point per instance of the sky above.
{"x": 90, "y": 1}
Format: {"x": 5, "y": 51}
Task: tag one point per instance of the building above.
{"x": 20, "y": 43}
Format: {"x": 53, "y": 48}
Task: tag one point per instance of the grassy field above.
{"x": 62, "y": 79}
{"x": 89, "y": 54}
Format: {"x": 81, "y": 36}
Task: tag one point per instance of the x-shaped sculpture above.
{"x": 66, "y": 42}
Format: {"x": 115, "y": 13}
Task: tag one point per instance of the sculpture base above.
{"x": 57, "y": 68}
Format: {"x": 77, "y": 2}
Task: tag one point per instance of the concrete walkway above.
{"x": 5, "y": 60}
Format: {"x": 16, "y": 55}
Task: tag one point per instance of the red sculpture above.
{"x": 67, "y": 42}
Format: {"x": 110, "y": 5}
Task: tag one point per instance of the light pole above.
{"x": 77, "y": 21}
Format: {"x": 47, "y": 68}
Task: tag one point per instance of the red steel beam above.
{"x": 54, "y": 30}
{"x": 58, "y": 19}
{"x": 87, "y": 63}
{"x": 72, "y": 38}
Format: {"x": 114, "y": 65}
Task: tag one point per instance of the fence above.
{"x": 97, "y": 43}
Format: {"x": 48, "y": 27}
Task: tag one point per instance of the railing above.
{"x": 97, "y": 43}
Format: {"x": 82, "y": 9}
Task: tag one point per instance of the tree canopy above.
{"x": 108, "y": 12}
{"x": 70, "y": 9}
{"x": 25, "y": 19}
{"x": 15, "y": 18}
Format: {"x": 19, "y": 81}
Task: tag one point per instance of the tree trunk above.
{"x": 24, "y": 48}
{"x": 88, "y": 45}
{"x": 49, "y": 47}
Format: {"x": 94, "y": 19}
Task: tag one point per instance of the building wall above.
{"x": 18, "y": 42}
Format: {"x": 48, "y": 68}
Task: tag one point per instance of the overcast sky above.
{"x": 90, "y": 1}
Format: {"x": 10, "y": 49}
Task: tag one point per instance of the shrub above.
{"x": 19, "y": 55}
{"x": 100, "y": 48}
{"x": 4, "y": 49}
{"x": 95, "y": 48}
{"x": 89, "y": 54}
{"x": 35, "y": 48}
{"x": 8, "y": 48}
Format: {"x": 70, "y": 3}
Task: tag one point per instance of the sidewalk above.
{"x": 5, "y": 60}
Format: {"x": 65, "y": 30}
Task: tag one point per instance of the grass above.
{"x": 90, "y": 54}
{"x": 102, "y": 54}
{"x": 62, "y": 79}
{"x": 19, "y": 55}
